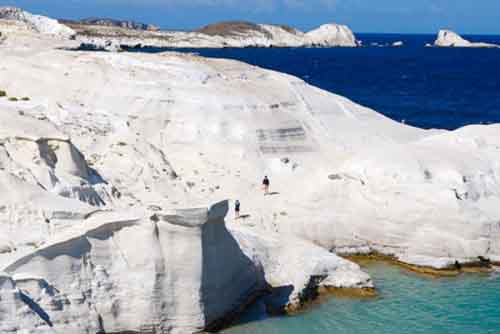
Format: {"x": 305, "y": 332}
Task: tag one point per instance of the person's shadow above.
{"x": 274, "y": 193}
{"x": 246, "y": 216}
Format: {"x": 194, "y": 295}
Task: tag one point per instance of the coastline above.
{"x": 471, "y": 267}
{"x": 154, "y": 138}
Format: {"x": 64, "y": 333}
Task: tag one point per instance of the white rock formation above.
{"x": 96, "y": 167}
{"x": 38, "y": 23}
{"x": 109, "y": 45}
{"x": 66, "y": 260}
{"x": 184, "y": 271}
{"x": 331, "y": 35}
{"x": 448, "y": 38}
{"x": 237, "y": 35}
{"x": 90, "y": 239}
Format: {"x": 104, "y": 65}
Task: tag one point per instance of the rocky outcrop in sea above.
{"x": 448, "y": 38}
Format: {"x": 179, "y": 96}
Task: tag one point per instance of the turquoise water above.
{"x": 407, "y": 303}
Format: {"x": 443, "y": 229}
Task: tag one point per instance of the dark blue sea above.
{"x": 426, "y": 87}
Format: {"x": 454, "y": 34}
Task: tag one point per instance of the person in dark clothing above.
{"x": 265, "y": 185}
{"x": 237, "y": 208}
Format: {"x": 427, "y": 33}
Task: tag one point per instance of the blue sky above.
{"x": 406, "y": 16}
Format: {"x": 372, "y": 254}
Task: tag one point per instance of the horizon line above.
{"x": 302, "y": 28}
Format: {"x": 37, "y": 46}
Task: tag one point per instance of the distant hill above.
{"x": 103, "y": 32}
{"x": 107, "y": 22}
{"x": 229, "y": 28}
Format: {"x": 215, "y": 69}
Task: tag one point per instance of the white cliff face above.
{"x": 38, "y": 23}
{"x": 97, "y": 168}
{"x": 262, "y": 35}
{"x": 177, "y": 273}
{"x": 447, "y": 38}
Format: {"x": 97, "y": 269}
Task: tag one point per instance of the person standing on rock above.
{"x": 265, "y": 185}
{"x": 237, "y": 205}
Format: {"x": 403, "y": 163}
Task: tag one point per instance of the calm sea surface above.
{"x": 407, "y": 304}
{"x": 425, "y": 87}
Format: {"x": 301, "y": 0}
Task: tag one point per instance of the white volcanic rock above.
{"x": 13, "y": 307}
{"x": 430, "y": 209}
{"x": 447, "y": 38}
{"x": 258, "y": 35}
{"x": 450, "y": 38}
{"x": 38, "y": 23}
{"x": 231, "y": 34}
{"x": 90, "y": 241}
{"x": 74, "y": 278}
{"x": 179, "y": 273}
{"x": 331, "y": 35}
{"x": 281, "y": 259}
{"x": 38, "y": 153}
{"x": 95, "y": 167}
{"x": 98, "y": 44}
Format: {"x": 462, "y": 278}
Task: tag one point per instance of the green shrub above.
{"x": 13, "y": 99}
{"x": 3, "y": 93}
{"x": 25, "y": 98}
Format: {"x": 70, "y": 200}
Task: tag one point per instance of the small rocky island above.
{"x": 448, "y": 38}
{"x": 119, "y": 172}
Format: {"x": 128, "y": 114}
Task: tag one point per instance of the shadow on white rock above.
{"x": 37, "y": 152}
{"x": 184, "y": 273}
